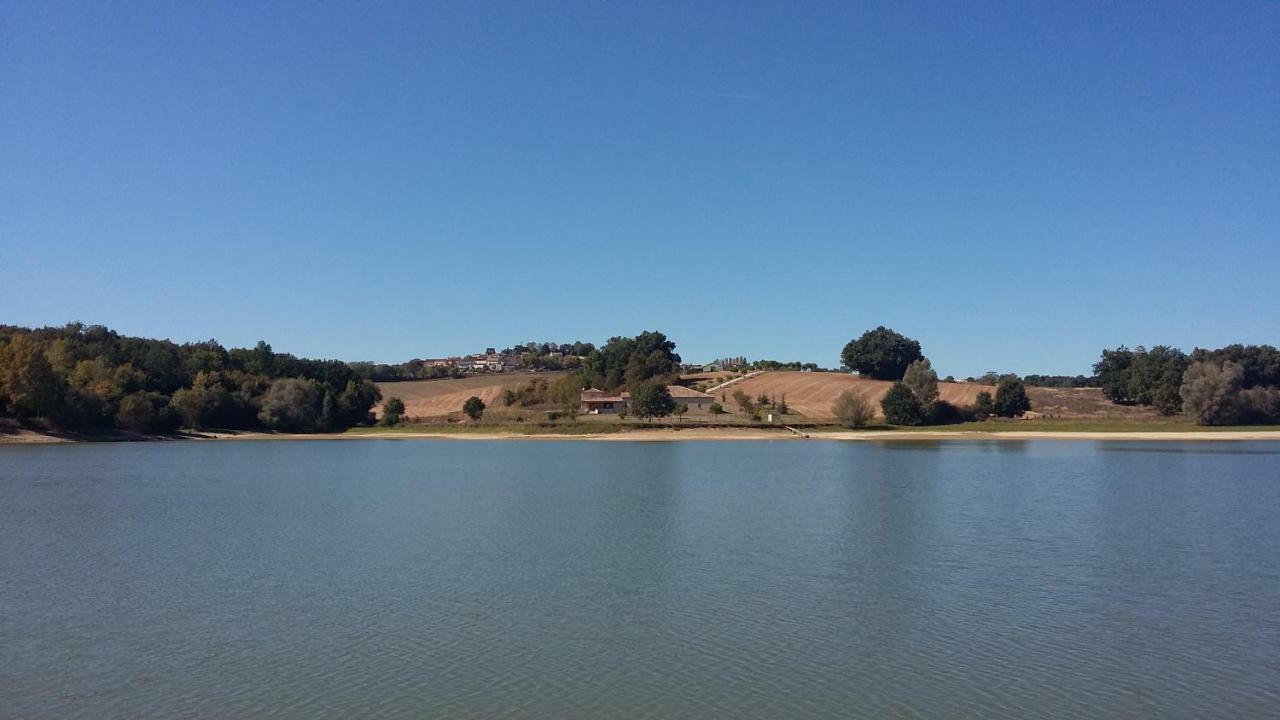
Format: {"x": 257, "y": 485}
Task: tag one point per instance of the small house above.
{"x": 597, "y": 402}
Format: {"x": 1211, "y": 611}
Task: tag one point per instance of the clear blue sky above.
{"x": 1016, "y": 185}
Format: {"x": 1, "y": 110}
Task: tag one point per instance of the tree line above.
{"x": 1233, "y": 385}
{"x": 913, "y": 399}
{"x": 82, "y": 378}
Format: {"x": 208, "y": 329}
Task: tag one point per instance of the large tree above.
{"x": 27, "y": 379}
{"x": 622, "y": 360}
{"x": 651, "y": 399}
{"x": 1011, "y": 398}
{"x": 292, "y": 405}
{"x": 1143, "y": 377}
{"x": 1211, "y": 392}
{"x": 881, "y": 354}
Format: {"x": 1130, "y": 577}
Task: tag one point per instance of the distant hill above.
{"x": 435, "y": 398}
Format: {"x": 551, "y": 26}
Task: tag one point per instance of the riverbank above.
{"x": 684, "y": 434}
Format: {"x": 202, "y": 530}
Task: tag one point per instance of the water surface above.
{"x": 622, "y": 580}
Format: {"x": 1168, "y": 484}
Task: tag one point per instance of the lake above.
{"x": 476, "y": 579}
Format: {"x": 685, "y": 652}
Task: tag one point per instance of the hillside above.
{"x": 434, "y": 398}
{"x": 812, "y": 395}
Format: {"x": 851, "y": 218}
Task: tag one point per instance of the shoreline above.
{"x": 685, "y": 435}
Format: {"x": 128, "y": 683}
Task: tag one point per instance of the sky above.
{"x": 1015, "y": 185}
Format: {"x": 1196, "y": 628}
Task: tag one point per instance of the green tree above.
{"x": 1211, "y": 392}
{"x": 566, "y": 392}
{"x": 1112, "y": 373}
{"x": 145, "y": 412}
{"x": 922, "y": 381}
{"x": 680, "y": 410}
{"x": 983, "y": 406}
{"x": 716, "y": 408}
{"x": 29, "y": 383}
{"x": 853, "y": 410}
{"x": 881, "y": 354}
{"x": 473, "y": 407}
{"x": 1011, "y": 399}
{"x": 292, "y": 405}
{"x": 651, "y": 399}
{"x": 901, "y": 407}
{"x": 329, "y": 416}
{"x": 392, "y": 411}
{"x": 622, "y": 360}
{"x": 356, "y": 402}
{"x": 1260, "y": 405}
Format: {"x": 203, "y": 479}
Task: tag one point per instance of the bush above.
{"x": 853, "y": 410}
{"x": 881, "y": 354}
{"x": 392, "y": 411}
{"x": 473, "y": 407}
{"x": 1011, "y": 399}
{"x": 716, "y": 408}
{"x": 744, "y": 402}
{"x": 944, "y": 413}
{"x": 901, "y": 407}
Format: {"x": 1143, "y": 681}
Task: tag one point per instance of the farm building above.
{"x": 696, "y": 401}
{"x": 597, "y": 402}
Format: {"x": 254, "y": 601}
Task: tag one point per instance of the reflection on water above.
{"x": 1201, "y": 447}
{"x": 590, "y": 579}
{"x": 981, "y": 446}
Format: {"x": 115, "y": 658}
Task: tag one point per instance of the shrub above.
{"x": 853, "y": 410}
{"x": 944, "y": 413}
{"x": 716, "y": 408}
{"x": 473, "y": 407}
{"x": 392, "y": 411}
{"x": 901, "y": 407}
